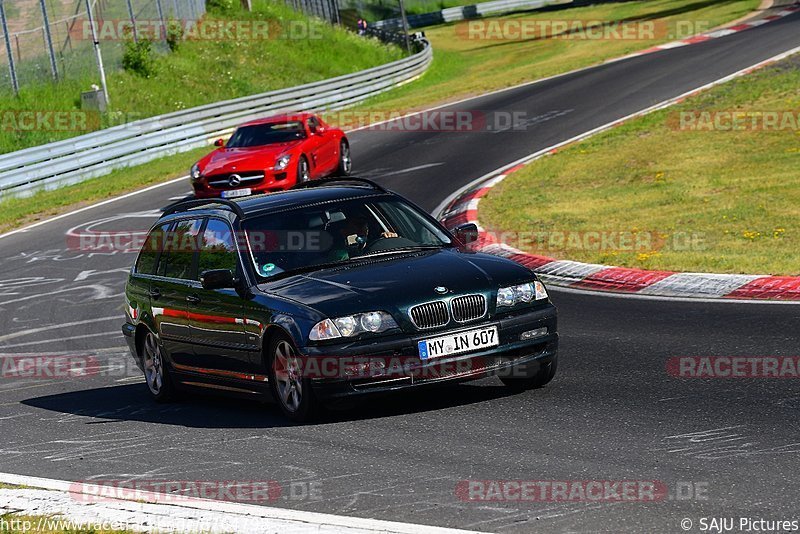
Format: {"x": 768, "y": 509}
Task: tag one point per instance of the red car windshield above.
{"x": 266, "y": 134}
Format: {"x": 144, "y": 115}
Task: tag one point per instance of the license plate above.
{"x": 458, "y": 343}
{"x": 233, "y": 193}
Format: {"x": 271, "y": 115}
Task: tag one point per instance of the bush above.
{"x": 138, "y": 58}
{"x": 174, "y": 34}
{"x": 220, "y": 5}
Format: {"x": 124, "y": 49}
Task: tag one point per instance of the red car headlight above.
{"x": 282, "y": 162}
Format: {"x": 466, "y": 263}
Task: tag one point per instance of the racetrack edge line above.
{"x": 283, "y": 514}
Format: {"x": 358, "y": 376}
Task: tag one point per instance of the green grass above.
{"x": 204, "y": 71}
{"x": 737, "y": 191}
{"x": 465, "y": 67}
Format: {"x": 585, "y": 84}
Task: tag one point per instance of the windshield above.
{"x": 319, "y": 236}
{"x": 266, "y": 134}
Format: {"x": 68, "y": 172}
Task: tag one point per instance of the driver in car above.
{"x": 353, "y": 239}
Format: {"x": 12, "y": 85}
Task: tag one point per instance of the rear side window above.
{"x": 180, "y": 246}
{"x": 146, "y": 262}
{"x": 217, "y": 248}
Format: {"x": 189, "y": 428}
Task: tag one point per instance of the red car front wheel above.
{"x": 345, "y": 161}
{"x": 303, "y": 173}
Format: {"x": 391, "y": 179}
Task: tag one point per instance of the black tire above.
{"x": 291, "y": 390}
{"x": 303, "y": 170}
{"x": 345, "y": 160}
{"x": 546, "y": 373}
{"x": 156, "y": 373}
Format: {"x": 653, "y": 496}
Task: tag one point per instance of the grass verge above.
{"x": 697, "y": 191}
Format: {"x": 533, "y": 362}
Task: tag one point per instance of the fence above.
{"x": 324, "y": 9}
{"x": 80, "y": 158}
{"x": 45, "y": 40}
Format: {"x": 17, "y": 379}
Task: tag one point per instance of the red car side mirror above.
{"x": 219, "y": 142}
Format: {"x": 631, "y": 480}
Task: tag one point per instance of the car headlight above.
{"x": 352, "y": 325}
{"x": 282, "y": 162}
{"x": 195, "y": 173}
{"x": 521, "y": 294}
{"x": 505, "y": 297}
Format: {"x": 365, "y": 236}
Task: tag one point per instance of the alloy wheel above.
{"x": 288, "y": 378}
{"x": 153, "y": 364}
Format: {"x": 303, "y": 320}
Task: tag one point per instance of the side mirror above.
{"x": 467, "y": 233}
{"x": 217, "y": 279}
{"x": 219, "y": 142}
{"x": 318, "y": 130}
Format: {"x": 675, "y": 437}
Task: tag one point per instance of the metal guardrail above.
{"x": 74, "y": 160}
{"x": 453, "y": 14}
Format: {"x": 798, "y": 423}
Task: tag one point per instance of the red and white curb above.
{"x": 577, "y": 275}
{"x": 462, "y": 207}
{"x": 714, "y": 34}
{"x": 59, "y": 502}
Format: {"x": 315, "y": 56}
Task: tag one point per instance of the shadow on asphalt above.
{"x": 132, "y": 403}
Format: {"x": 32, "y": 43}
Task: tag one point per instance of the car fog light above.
{"x": 364, "y": 369}
{"x": 533, "y": 334}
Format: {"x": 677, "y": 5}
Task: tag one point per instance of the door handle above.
{"x": 193, "y": 299}
{"x": 155, "y": 293}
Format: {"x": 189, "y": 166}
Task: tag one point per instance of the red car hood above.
{"x": 227, "y": 160}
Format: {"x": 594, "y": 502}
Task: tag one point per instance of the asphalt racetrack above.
{"x": 722, "y": 448}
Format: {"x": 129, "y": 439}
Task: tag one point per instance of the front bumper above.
{"x": 271, "y": 182}
{"x": 513, "y": 357}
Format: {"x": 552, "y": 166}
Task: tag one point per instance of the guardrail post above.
{"x": 48, "y": 38}
{"x": 405, "y": 25}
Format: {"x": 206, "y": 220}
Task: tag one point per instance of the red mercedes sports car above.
{"x": 272, "y": 154}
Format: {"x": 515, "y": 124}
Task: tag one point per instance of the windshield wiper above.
{"x": 401, "y": 250}
{"x": 356, "y": 259}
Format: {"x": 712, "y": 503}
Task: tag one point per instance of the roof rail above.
{"x": 195, "y": 203}
{"x": 335, "y": 179}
